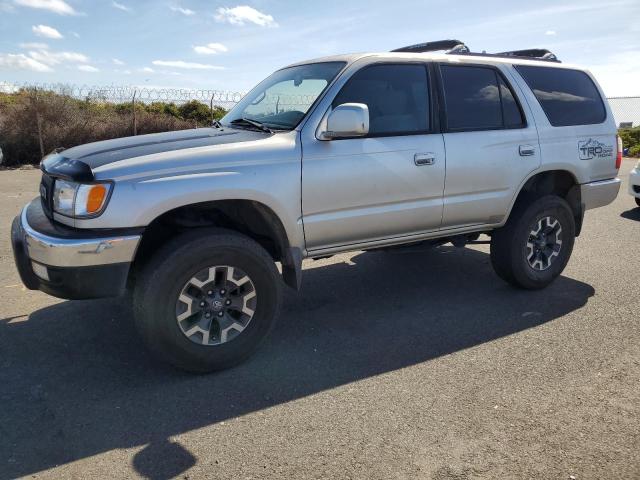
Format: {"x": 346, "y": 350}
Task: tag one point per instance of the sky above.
{"x": 232, "y": 45}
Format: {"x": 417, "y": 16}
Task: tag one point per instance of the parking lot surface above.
{"x": 414, "y": 365}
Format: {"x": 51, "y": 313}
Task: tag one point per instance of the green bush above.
{"x": 166, "y": 108}
{"x": 631, "y": 140}
{"x": 62, "y": 121}
{"x": 196, "y": 111}
{"x": 634, "y": 151}
{"x": 218, "y": 112}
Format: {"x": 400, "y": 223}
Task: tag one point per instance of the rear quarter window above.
{"x": 568, "y": 97}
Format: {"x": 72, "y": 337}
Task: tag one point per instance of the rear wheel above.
{"x": 534, "y": 246}
{"x": 207, "y": 299}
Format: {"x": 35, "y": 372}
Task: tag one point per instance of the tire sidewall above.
{"x": 546, "y": 206}
{"x": 163, "y": 285}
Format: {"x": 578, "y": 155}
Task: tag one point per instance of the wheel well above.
{"x": 555, "y": 182}
{"x": 250, "y": 218}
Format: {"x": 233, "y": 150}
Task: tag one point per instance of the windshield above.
{"x": 281, "y": 101}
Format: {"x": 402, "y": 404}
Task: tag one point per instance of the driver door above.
{"x": 387, "y": 184}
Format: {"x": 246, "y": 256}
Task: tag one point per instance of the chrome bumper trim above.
{"x": 85, "y": 252}
{"x": 599, "y": 194}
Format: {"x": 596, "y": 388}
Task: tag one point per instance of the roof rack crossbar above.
{"x": 535, "y": 53}
{"x": 450, "y": 46}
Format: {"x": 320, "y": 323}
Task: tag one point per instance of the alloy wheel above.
{"x": 216, "y": 305}
{"x": 544, "y": 243}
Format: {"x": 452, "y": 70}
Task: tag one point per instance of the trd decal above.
{"x": 591, "y": 148}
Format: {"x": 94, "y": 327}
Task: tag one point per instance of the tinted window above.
{"x": 397, "y": 97}
{"x": 510, "y": 108}
{"x": 471, "y": 97}
{"x": 477, "y": 98}
{"x": 568, "y": 97}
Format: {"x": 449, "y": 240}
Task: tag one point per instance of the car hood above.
{"x": 102, "y": 153}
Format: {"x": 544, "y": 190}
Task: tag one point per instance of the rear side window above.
{"x": 510, "y": 108}
{"x": 397, "y": 97}
{"x": 568, "y": 97}
{"x": 477, "y": 98}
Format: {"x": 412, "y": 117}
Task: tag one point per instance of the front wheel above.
{"x": 207, "y": 299}
{"x": 534, "y": 246}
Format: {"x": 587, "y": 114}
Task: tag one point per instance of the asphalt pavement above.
{"x": 413, "y": 365}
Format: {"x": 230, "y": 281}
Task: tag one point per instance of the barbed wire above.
{"x": 116, "y": 93}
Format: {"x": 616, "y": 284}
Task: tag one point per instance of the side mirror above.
{"x": 348, "y": 120}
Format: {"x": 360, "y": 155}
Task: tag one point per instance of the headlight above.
{"x": 80, "y": 200}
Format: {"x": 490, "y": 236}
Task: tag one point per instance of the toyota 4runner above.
{"x": 426, "y": 144}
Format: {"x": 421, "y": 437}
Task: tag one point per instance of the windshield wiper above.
{"x": 253, "y": 123}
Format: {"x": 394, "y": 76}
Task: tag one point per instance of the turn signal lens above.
{"x": 91, "y": 199}
{"x": 96, "y": 197}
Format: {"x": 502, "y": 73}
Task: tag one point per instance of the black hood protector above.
{"x": 59, "y": 166}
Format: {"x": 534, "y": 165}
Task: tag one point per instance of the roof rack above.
{"x": 457, "y": 47}
{"x": 451, "y": 46}
{"x": 535, "y": 53}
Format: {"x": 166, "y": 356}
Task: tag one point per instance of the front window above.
{"x": 397, "y": 97}
{"x": 282, "y": 100}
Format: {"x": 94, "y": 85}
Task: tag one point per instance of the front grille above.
{"x": 46, "y": 195}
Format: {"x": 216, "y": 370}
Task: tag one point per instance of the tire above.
{"x": 638, "y": 201}
{"x": 534, "y": 261}
{"x": 174, "y": 274}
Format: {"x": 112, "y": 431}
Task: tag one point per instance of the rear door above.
{"x": 490, "y": 142}
{"x": 387, "y": 184}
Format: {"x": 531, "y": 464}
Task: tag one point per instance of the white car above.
{"x": 634, "y": 183}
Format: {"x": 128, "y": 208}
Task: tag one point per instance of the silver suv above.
{"x": 351, "y": 152}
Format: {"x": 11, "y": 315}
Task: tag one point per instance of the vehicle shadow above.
{"x": 76, "y": 381}
{"x": 631, "y": 214}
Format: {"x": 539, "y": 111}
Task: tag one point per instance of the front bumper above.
{"x": 601, "y": 193}
{"x": 634, "y": 182}
{"x": 70, "y": 263}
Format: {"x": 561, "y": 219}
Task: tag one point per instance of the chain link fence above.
{"x": 626, "y": 111}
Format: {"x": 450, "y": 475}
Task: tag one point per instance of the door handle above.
{"x": 526, "y": 150}
{"x": 421, "y": 159}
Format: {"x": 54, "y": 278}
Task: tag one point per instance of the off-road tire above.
{"x": 510, "y": 253}
{"x": 161, "y": 282}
